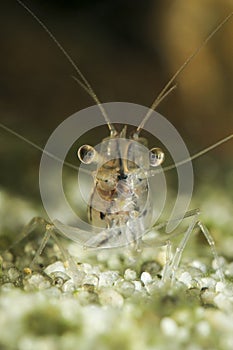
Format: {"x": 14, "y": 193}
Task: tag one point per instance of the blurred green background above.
{"x": 128, "y": 50}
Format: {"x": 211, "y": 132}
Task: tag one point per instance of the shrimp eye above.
{"x": 156, "y": 156}
{"x": 86, "y": 154}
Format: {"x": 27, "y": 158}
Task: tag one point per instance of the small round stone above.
{"x": 138, "y": 286}
{"x": 107, "y": 279}
{"x": 220, "y": 286}
{"x": 130, "y": 275}
{"x": 111, "y": 297}
{"x": 55, "y": 267}
{"x": 91, "y": 280}
{"x": 13, "y": 274}
{"x": 199, "y": 265}
{"x": 207, "y": 296}
{"x": 203, "y": 328}
{"x": 217, "y": 263}
{"x": 126, "y": 288}
{"x": 68, "y": 287}
{"x": 186, "y": 278}
{"x": 36, "y": 282}
{"x": 146, "y": 278}
{"x": 168, "y": 327}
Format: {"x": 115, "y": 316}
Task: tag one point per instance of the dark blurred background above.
{"x": 127, "y": 50}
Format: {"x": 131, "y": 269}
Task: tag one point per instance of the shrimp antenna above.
{"x": 167, "y": 89}
{"x": 83, "y": 82}
{"x": 68, "y": 164}
{"x": 196, "y": 155}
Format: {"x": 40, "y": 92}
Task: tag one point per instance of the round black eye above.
{"x": 156, "y": 156}
{"x": 86, "y": 154}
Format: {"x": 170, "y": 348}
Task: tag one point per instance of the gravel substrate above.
{"x": 113, "y": 300}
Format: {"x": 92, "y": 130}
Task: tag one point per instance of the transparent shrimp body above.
{"x": 120, "y": 201}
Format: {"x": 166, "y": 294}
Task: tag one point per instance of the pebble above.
{"x": 91, "y": 279}
{"x": 168, "y": 327}
{"x": 126, "y": 288}
{"x": 86, "y": 298}
{"x": 218, "y": 263}
{"x": 108, "y": 278}
{"x": 138, "y": 285}
{"x": 223, "y": 302}
{"x": 111, "y": 297}
{"x": 87, "y": 268}
{"x": 13, "y": 274}
{"x": 68, "y": 287}
{"x": 57, "y": 266}
{"x": 207, "y": 282}
{"x": 220, "y": 286}
{"x": 36, "y": 282}
{"x": 146, "y": 278}
{"x": 7, "y": 287}
{"x": 186, "y": 279}
{"x": 130, "y": 275}
{"x": 229, "y": 269}
{"x": 199, "y": 265}
{"x": 207, "y": 296}
{"x": 203, "y": 328}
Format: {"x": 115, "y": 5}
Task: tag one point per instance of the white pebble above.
{"x": 13, "y": 274}
{"x": 107, "y": 279}
{"x": 218, "y": 263}
{"x": 68, "y": 287}
{"x": 126, "y": 288}
{"x": 151, "y": 288}
{"x": 36, "y": 281}
{"x": 220, "y": 286}
{"x": 225, "y": 288}
{"x": 57, "y": 266}
{"x": 168, "y": 326}
{"x": 207, "y": 282}
{"x": 199, "y": 265}
{"x": 91, "y": 279}
{"x": 203, "y": 328}
{"x": 138, "y": 286}
{"x": 208, "y": 296}
{"x": 146, "y": 278}
{"x": 186, "y": 278}
{"x": 223, "y": 302}
{"x": 229, "y": 269}
{"x": 87, "y": 268}
{"x": 7, "y": 287}
{"x": 130, "y": 275}
{"x": 111, "y": 297}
